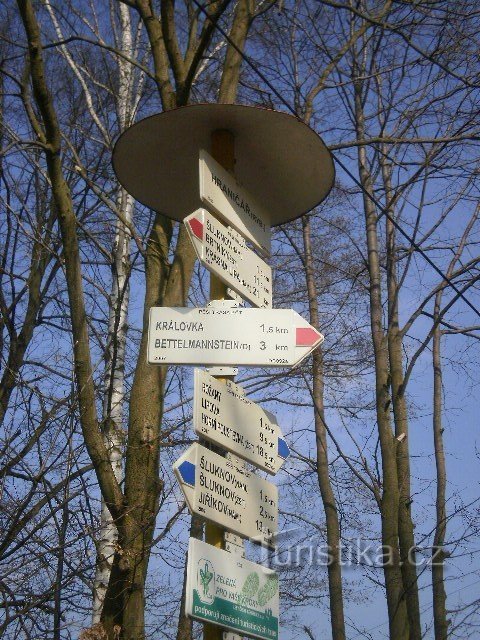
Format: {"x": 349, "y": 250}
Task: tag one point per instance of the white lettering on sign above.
{"x": 221, "y": 193}
{"x": 223, "y": 251}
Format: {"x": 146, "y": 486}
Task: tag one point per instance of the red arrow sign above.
{"x": 307, "y": 336}
{"x": 224, "y": 252}
{"x": 222, "y": 334}
{"x": 197, "y": 228}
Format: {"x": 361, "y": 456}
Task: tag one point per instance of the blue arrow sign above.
{"x": 223, "y": 415}
{"x": 283, "y": 449}
{"x": 187, "y": 471}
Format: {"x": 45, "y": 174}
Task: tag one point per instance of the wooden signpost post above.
{"x": 285, "y": 170}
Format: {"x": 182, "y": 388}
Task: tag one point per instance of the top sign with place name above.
{"x": 224, "y": 252}
{"x": 224, "y": 415}
{"x": 227, "y": 335}
{"x": 221, "y": 193}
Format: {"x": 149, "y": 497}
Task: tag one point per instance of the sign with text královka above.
{"x": 226, "y": 335}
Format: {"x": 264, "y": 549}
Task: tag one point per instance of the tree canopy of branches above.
{"x": 93, "y": 527}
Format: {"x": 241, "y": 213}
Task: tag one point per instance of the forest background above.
{"x": 382, "y": 421}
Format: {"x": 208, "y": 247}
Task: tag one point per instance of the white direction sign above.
{"x": 218, "y": 490}
{"x": 226, "y": 335}
{"x": 231, "y": 592}
{"x": 223, "y": 415}
{"x": 221, "y": 193}
{"x": 224, "y": 252}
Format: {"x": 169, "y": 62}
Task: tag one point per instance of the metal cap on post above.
{"x": 283, "y": 162}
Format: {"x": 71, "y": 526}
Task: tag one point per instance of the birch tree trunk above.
{"x": 127, "y": 95}
{"x": 114, "y": 398}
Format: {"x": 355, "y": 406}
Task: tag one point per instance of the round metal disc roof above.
{"x": 280, "y": 161}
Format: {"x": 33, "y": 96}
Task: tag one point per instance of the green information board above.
{"x": 232, "y": 592}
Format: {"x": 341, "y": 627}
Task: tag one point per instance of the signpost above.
{"x": 220, "y": 192}
{"x": 224, "y": 252}
{"x": 231, "y": 592}
{"x": 288, "y": 170}
{"x": 223, "y": 415}
{"x": 226, "y": 335}
{"x": 222, "y": 492}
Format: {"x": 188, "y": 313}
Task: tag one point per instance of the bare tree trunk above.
{"x": 440, "y": 620}
{"x": 326, "y": 491}
{"x": 405, "y": 524}
{"x": 397, "y": 612}
{"x": 124, "y": 600}
{"x": 184, "y": 628}
{"x": 233, "y": 60}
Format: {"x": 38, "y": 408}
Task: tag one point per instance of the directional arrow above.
{"x": 226, "y": 335}
{"x": 187, "y": 472}
{"x": 232, "y": 497}
{"x": 223, "y": 251}
{"x": 306, "y": 337}
{"x": 184, "y": 469}
{"x": 223, "y": 415}
{"x": 283, "y": 449}
{"x": 196, "y": 227}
